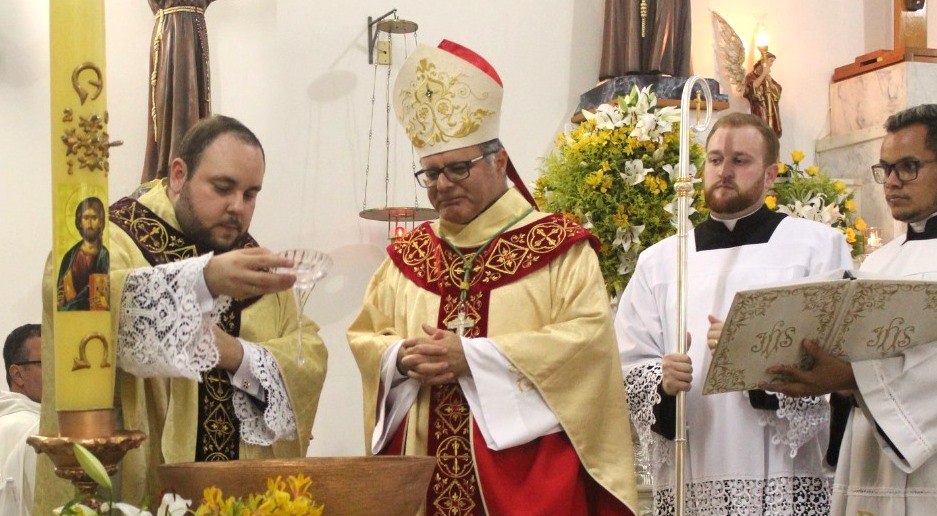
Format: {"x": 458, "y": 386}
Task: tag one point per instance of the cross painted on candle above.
{"x": 461, "y": 323}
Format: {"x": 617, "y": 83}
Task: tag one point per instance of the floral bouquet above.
{"x": 614, "y": 174}
{"x": 810, "y": 194}
{"x": 283, "y": 497}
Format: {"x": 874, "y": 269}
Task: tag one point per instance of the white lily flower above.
{"x": 628, "y": 237}
{"x": 830, "y": 214}
{"x": 669, "y": 115}
{"x": 634, "y": 171}
{"x": 645, "y": 125}
{"x": 587, "y": 221}
{"x": 627, "y": 265}
{"x": 173, "y": 505}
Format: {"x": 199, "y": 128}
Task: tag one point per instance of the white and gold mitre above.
{"x": 447, "y": 98}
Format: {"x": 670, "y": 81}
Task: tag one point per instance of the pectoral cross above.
{"x": 460, "y": 323}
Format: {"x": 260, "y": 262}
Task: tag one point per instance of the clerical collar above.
{"x": 923, "y": 230}
{"x": 475, "y": 232}
{"x": 756, "y": 228}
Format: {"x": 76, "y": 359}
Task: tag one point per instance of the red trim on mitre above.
{"x": 471, "y": 57}
{"x": 519, "y": 184}
{"x": 479, "y": 62}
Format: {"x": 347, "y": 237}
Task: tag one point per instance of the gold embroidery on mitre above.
{"x": 440, "y": 107}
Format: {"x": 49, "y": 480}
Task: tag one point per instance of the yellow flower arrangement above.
{"x": 287, "y": 498}
{"x": 290, "y": 497}
{"x": 809, "y": 193}
{"x": 614, "y": 174}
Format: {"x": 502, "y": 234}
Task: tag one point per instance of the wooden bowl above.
{"x": 356, "y": 486}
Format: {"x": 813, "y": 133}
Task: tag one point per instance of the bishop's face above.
{"x": 461, "y": 201}
{"x": 735, "y": 176}
{"x": 914, "y": 200}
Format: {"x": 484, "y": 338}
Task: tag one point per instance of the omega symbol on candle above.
{"x": 81, "y": 362}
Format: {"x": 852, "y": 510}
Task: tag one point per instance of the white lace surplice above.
{"x": 740, "y": 460}
{"x": 165, "y": 330}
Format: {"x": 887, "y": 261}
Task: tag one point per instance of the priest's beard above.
{"x": 199, "y": 232}
{"x": 726, "y": 198}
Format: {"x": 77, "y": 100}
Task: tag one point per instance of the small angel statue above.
{"x": 761, "y": 90}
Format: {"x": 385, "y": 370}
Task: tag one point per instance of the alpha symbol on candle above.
{"x": 82, "y": 361}
{"x": 97, "y": 82}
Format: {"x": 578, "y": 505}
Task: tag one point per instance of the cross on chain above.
{"x": 461, "y": 323}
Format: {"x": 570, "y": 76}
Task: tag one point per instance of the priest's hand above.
{"x": 245, "y": 273}
{"x": 434, "y": 359}
{"x": 715, "y": 331}
{"x": 828, "y": 374}
{"x": 677, "y": 369}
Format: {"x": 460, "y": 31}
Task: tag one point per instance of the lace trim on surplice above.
{"x": 797, "y": 420}
{"x": 641, "y": 383}
{"x": 277, "y": 421}
{"x": 778, "y": 496}
{"x": 162, "y": 331}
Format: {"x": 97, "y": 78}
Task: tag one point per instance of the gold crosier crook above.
{"x": 684, "y": 188}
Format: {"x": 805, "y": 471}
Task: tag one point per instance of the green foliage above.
{"x": 615, "y": 175}
{"x": 810, "y": 194}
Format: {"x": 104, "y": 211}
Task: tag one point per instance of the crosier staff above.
{"x": 684, "y": 189}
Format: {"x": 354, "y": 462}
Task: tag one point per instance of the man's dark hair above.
{"x": 14, "y": 349}
{"x": 91, "y": 203}
{"x": 925, "y": 114}
{"x": 207, "y": 130}
{"x": 770, "y": 139}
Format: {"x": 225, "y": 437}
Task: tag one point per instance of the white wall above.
{"x": 296, "y": 72}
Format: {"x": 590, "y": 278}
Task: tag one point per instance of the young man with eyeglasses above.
{"x": 19, "y": 418}
{"x": 485, "y": 339}
{"x": 887, "y": 462}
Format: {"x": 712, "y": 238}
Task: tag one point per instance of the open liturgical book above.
{"x": 853, "y": 315}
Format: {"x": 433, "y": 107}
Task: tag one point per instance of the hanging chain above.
{"x": 416, "y": 195}
{"x": 387, "y": 125}
{"x": 367, "y": 167}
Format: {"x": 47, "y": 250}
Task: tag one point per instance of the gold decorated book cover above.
{"x": 855, "y": 318}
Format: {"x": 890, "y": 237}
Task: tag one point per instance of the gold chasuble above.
{"x": 218, "y": 433}
{"x": 174, "y": 413}
{"x": 536, "y": 292}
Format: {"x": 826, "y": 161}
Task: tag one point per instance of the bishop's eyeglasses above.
{"x": 906, "y": 169}
{"x": 454, "y": 172}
